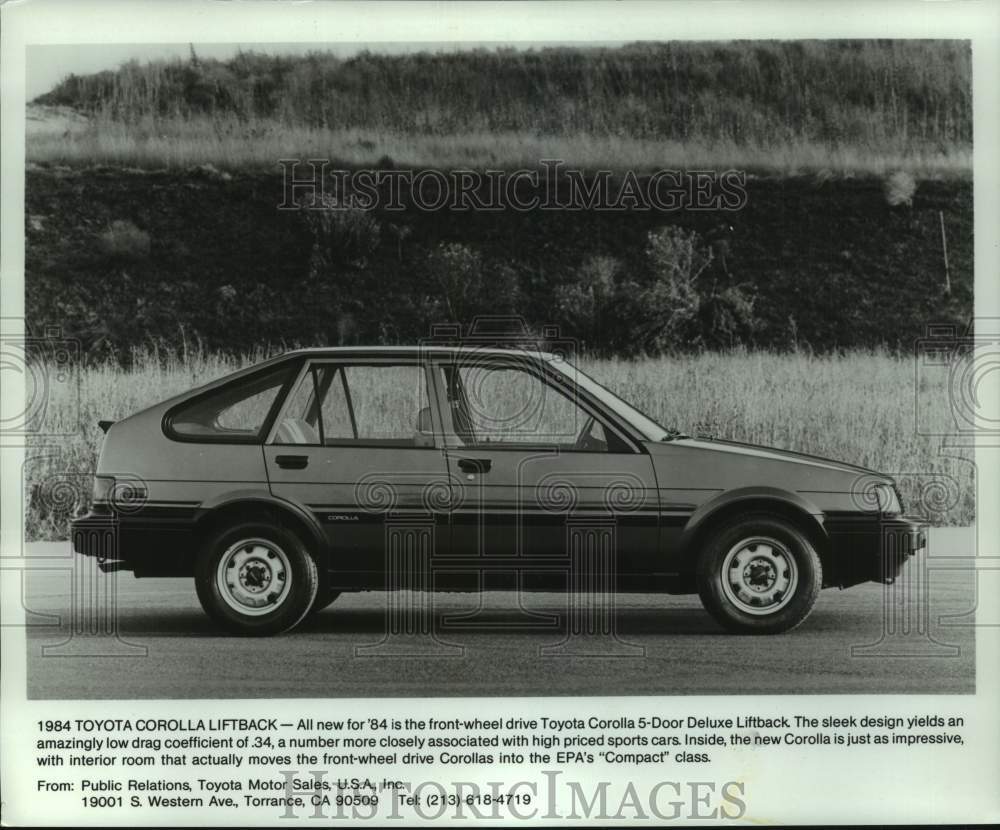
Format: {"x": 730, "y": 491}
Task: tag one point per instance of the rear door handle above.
{"x": 292, "y": 462}
{"x": 474, "y": 465}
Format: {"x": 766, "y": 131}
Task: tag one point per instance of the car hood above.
{"x": 712, "y": 464}
{"x": 771, "y": 453}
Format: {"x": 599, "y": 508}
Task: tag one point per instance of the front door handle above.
{"x": 292, "y": 462}
{"x": 474, "y": 465}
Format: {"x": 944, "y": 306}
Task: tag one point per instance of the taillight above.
{"x": 103, "y": 489}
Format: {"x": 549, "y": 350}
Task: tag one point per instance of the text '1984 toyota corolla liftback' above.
{"x": 329, "y": 470}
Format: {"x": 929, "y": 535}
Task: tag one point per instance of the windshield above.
{"x": 650, "y": 430}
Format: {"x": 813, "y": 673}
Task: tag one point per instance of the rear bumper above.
{"x": 97, "y": 536}
{"x": 149, "y": 546}
{"x": 872, "y": 548}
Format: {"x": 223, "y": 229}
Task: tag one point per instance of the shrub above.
{"x": 123, "y": 240}
{"x": 672, "y": 301}
{"x": 681, "y": 308}
{"x": 456, "y": 272}
{"x": 899, "y": 189}
{"x": 582, "y": 305}
{"x": 464, "y": 285}
{"x": 342, "y": 233}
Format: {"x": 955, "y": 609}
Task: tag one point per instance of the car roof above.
{"x": 339, "y": 351}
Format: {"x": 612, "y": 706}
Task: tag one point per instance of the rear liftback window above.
{"x": 236, "y": 412}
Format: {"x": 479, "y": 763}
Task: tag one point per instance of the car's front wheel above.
{"x": 324, "y": 598}
{"x": 256, "y": 579}
{"x": 759, "y": 575}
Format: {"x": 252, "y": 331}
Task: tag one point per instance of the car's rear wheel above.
{"x": 256, "y": 579}
{"x": 759, "y": 575}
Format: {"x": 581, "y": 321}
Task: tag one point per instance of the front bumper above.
{"x": 872, "y": 548}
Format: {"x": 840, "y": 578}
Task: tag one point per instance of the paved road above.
{"x": 665, "y": 645}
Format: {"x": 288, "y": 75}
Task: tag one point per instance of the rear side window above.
{"x": 386, "y": 401}
{"x": 238, "y": 412}
{"x": 369, "y": 405}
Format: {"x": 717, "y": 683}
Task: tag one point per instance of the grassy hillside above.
{"x": 843, "y": 106}
{"x": 121, "y": 258}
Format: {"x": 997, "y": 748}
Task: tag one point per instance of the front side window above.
{"x": 639, "y": 420}
{"x": 235, "y": 412}
{"x": 373, "y": 404}
{"x": 510, "y": 405}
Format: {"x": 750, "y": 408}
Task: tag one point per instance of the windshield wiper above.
{"x": 674, "y": 434}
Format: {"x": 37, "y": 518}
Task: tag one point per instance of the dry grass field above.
{"x": 857, "y": 407}
{"x": 180, "y": 143}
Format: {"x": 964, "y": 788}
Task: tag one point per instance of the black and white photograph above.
{"x": 619, "y": 370}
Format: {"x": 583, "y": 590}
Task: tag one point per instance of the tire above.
{"x": 323, "y": 600}
{"x": 759, "y": 575}
{"x": 325, "y": 595}
{"x": 256, "y": 579}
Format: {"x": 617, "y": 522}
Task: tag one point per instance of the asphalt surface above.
{"x": 862, "y": 640}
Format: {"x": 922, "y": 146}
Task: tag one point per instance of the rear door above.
{"x": 542, "y": 476}
{"x": 358, "y": 444}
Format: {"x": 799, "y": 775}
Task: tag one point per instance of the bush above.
{"x": 582, "y": 306}
{"x": 342, "y": 234}
{"x": 899, "y": 189}
{"x": 465, "y": 286}
{"x": 683, "y": 309}
{"x": 123, "y": 240}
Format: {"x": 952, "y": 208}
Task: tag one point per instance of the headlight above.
{"x": 887, "y": 500}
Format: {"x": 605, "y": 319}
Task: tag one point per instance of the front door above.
{"x": 356, "y": 444}
{"x": 544, "y": 481}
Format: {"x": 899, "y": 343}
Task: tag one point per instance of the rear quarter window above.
{"x": 237, "y": 412}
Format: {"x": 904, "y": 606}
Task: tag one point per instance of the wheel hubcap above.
{"x": 759, "y": 575}
{"x": 254, "y": 577}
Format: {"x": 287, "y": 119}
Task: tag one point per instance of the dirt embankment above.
{"x": 118, "y": 257}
